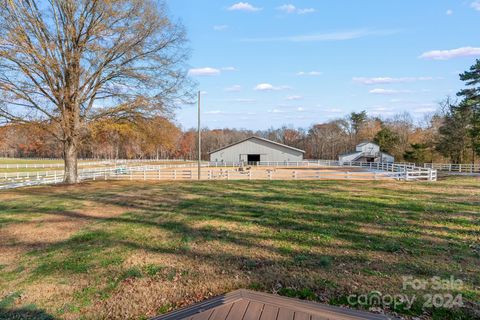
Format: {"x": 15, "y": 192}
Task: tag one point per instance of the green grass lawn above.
{"x": 123, "y": 250}
{"x": 11, "y": 162}
{"x": 26, "y": 160}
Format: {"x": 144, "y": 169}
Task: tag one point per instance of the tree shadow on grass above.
{"x": 305, "y": 215}
{"x": 24, "y": 314}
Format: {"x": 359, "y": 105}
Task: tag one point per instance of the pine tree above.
{"x": 471, "y": 105}
{"x": 460, "y": 132}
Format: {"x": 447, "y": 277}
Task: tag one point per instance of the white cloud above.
{"x": 243, "y": 6}
{"x": 450, "y": 54}
{"x": 395, "y": 100}
{"x": 306, "y": 10}
{"x": 269, "y": 87}
{"x": 290, "y": 8}
{"x": 265, "y": 87}
{"x": 333, "y": 36}
{"x": 449, "y": 12}
{"x": 293, "y": 98}
{"x": 235, "y": 88}
{"x": 381, "y": 111}
{"x": 243, "y": 100}
{"x": 310, "y": 73}
{"x": 425, "y": 109}
{"x": 207, "y": 71}
{"x": 387, "y": 91}
{"x": 389, "y": 80}
{"x": 220, "y": 27}
{"x": 334, "y": 110}
{"x": 214, "y": 112}
{"x": 276, "y": 111}
{"x": 300, "y": 109}
{"x": 287, "y": 8}
{"x": 476, "y": 5}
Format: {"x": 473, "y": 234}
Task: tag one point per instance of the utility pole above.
{"x": 199, "y": 140}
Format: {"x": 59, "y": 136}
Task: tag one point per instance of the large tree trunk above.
{"x": 70, "y": 157}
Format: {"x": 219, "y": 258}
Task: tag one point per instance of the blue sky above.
{"x": 263, "y": 64}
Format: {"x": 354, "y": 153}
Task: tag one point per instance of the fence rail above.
{"x": 229, "y": 171}
{"x": 84, "y": 163}
{"x": 450, "y": 167}
{"x": 408, "y": 171}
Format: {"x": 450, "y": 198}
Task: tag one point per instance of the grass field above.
{"x": 119, "y": 250}
{"x": 87, "y": 164}
{"x": 28, "y": 161}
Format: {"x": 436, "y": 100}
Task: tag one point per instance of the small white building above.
{"x": 366, "y": 152}
{"x": 255, "y": 149}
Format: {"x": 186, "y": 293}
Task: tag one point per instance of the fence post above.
{"x": 250, "y": 175}
{"x": 174, "y": 174}
{"x": 159, "y": 174}
{"x": 228, "y": 175}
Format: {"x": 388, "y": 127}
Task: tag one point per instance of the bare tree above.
{"x": 69, "y": 62}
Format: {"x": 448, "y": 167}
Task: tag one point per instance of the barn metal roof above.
{"x": 258, "y": 138}
{"x": 250, "y": 305}
{"x": 366, "y": 142}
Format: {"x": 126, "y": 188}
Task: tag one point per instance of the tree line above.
{"x": 452, "y": 134}
{"x": 161, "y": 138}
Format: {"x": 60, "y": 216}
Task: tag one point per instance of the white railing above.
{"x": 450, "y": 167}
{"x": 227, "y": 171}
{"x": 28, "y": 175}
{"x": 83, "y": 163}
{"x": 409, "y": 171}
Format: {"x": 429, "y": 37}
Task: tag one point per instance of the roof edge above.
{"x": 259, "y": 138}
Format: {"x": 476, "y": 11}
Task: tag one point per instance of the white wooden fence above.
{"x": 91, "y": 163}
{"x": 228, "y": 171}
{"x": 408, "y": 171}
{"x": 450, "y": 167}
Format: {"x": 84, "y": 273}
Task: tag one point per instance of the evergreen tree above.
{"x": 386, "y": 139}
{"x": 418, "y": 153}
{"x": 460, "y": 132}
{"x": 454, "y": 138}
{"x": 471, "y": 104}
{"x": 358, "y": 119}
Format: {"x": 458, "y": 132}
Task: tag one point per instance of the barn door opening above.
{"x": 253, "y": 158}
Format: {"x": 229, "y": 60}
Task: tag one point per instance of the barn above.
{"x": 366, "y": 152}
{"x": 255, "y": 149}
